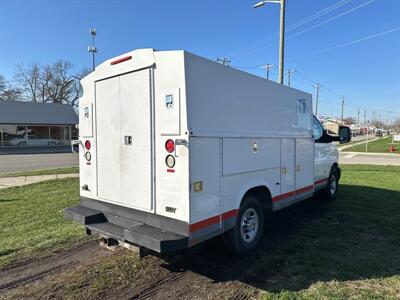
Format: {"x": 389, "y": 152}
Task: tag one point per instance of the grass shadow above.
{"x": 354, "y": 238}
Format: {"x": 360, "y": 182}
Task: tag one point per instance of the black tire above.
{"x": 329, "y": 193}
{"x": 22, "y": 144}
{"x": 235, "y": 239}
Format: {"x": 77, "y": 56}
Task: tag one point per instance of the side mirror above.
{"x": 344, "y": 135}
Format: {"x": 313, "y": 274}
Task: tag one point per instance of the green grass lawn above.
{"x": 42, "y": 172}
{"x": 377, "y": 146}
{"x": 348, "y": 249}
{"x": 31, "y": 218}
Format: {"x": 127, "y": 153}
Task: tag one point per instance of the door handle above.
{"x": 298, "y": 168}
{"x": 128, "y": 140}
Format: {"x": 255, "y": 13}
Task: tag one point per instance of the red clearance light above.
{"x": 120, "y": 60}
{"x": 88, "y": 145}
{"x": 170, "y": 146}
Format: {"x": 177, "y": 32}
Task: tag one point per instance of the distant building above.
{"x": 36, "y": 124}
{"x": 332, "y": 126}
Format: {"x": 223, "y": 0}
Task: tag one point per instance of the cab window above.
{"x": 317, "y": 129}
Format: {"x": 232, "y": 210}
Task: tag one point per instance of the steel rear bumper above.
{"x": 108, "y": 223}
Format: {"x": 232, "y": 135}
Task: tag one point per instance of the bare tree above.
{"x": 2, "y": 83}
{"x": 397, "y": 124}
{"x": 28, "y": 79}
{"x": 52, "y": 83}
{"x": 7, "y": 92}
{"x": 349, "y": 121}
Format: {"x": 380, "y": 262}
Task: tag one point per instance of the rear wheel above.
{"x": 329, "y": 193}
{"x": 247, "y": 233}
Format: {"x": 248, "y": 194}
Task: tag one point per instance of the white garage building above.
{"x": 36, "y": 124}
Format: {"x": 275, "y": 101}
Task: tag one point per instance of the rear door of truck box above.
{"x": 124, "y": 139}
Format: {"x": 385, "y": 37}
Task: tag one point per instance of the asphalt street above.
{"x": 27, "y": 162}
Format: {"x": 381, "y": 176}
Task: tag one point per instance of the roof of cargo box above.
{"x": 220, "y": 100}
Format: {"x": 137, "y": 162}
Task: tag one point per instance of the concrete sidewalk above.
{"x": 8, "y": 182}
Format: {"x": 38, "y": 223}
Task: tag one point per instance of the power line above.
{"x": 347, "y": 44}
{"x": 292, "y": 27}
{"x": 332, "y": 19}
{"x": 310, "y": 28}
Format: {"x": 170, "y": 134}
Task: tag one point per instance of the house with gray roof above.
{"x": 36, "y": 124}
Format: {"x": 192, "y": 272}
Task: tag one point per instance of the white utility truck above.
{"x": 177, "y": 149}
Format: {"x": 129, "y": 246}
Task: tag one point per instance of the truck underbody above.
{"x": 131, "y": 226}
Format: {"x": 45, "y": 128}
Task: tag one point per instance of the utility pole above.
{"x": 282, "y": 42}
{"x": 289, "y": 72}
{"x": 267, "y": 67}
{"x": 317, "y": 85}
{"x": 358, "y": 118}
{"x": 342, "y": 108}
{"x": 282, "y": 34}
{"x": 366, "y": 127}
{"x": 224, "y": 61}
{"x": 92, "y": 49}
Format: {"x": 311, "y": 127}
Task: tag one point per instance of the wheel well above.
{"x": 336, "y": 166}
{"x": 263, "y": 194}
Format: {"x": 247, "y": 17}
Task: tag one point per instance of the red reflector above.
{"x": 170, "y": 146}
{"x": 120, "y": 60}
{"x": 88, "y": 145}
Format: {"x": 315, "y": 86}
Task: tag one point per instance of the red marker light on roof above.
{"x": 120, "y": 60}
{"x": 88, "y": 145}
{"x": 170, "y": 146}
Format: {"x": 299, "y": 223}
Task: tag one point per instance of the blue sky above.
{"x": 366, "y": 73}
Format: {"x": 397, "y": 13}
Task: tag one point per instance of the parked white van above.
{"x": 177, "y": 149}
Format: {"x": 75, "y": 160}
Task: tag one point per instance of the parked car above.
{"x": 32, "y": 140}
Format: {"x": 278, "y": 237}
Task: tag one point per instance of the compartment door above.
{"x": 288, "y": 165}
{"x": 304, "y": 168}
{"x": 124, "y": 143}
{"x": 136, "y": 154}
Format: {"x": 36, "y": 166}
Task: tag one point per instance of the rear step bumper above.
{"x": 136, "y": 232}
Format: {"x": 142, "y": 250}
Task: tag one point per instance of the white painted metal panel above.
{"x": 322, "y": 161}
{"x": 86, "y": 119}
{"x": 288, "y": 166}
{"x": 205, "y": 167}
{"x": 168, "y": 116}
{"x": 235, "y": 186}
{"x": 123, "y": 112}
{"x": 108, "y": 112}
{"x": 134, "y": 93}
{"x": 304, "y": 164}
{"x": 172, "y": 188}
{"x": 250, "y": 154}
{"x": 223, "y": 101}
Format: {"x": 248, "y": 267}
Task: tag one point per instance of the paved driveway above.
{"x": 369, "y": 158}
{"x": 27, "y": 162}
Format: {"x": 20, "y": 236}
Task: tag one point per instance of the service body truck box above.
{"x": 177, "y": 149}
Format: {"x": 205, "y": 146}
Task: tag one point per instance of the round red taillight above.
{"x": 170, "y": 146}
{"x": 88, "y": 145}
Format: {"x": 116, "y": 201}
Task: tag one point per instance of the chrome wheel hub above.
{"x": 249, "y": 225}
